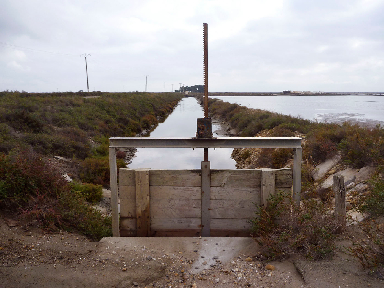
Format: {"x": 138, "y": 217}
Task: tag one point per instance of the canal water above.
{"x": 337, "y": 109}
{"x": 181, "y": 123}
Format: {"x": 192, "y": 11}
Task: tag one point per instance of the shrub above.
{"x": 23, "y": 120}
{"x": 372, "y": 202}
{"x": 362, "y": 147}
{"x": 91, "y": 192}
{"x": 148, "y": 121}
{"x": 282, "y": 228}
{"x": 77, "y": 215}
{"x": 369, "y": 246}
{"x": 38, "y": 192}
{"x": 24, "y": 175}
{"x": 96, "y": 170}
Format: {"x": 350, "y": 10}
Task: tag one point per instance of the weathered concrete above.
{"x": 349, "y": 176}
{"x": 322, "y": 169}
{"x": 204, "y": 251}
{"x": 365, "y": 173}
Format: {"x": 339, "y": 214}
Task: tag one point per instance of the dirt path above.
{"x": 31, "y": 258}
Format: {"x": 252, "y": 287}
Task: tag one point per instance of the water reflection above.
{"x": 181, "y": 123}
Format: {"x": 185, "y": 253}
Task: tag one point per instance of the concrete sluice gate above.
{"x": 172, "y": 202}
{"x": 202, "y": 202}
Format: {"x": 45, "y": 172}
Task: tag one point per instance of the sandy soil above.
{"x": 32, "y": 258}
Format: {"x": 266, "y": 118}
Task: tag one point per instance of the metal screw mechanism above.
{"x": 205, "y": 41}
{"x": 207, "y": 121}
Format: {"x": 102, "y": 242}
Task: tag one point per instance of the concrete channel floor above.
{"x": 203, "y": 250}
{"x": 203, "y": 256}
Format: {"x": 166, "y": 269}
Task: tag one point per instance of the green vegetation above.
{"x": 358, "y": 146}
{"x": 282, "y": 228}
{"x": 37, "y": 126}
{"x": 369, "y": 247}
{"x": 90, "y": 192}
{"x": 63, "y": 123}
{"x": 38, "y": 192}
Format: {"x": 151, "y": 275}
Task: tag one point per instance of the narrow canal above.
{"x": 181, "y": 123}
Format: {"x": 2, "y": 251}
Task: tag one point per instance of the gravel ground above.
{"x": 32, "y": 258}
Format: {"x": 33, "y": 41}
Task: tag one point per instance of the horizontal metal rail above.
{"x": 220, "y": 142}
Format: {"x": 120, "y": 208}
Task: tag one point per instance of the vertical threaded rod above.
{"x": 205, "y": 34}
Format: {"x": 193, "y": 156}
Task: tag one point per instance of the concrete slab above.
{"x": 349, "y": 176}
{"x": 205, "y": 252}
{"x": 322, "y": 169}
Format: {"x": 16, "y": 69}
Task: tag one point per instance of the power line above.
{"x": 33, "y": 50}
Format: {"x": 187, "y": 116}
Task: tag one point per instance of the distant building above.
{"x": 287, "y": 92}
{"x": 194, "y": 89}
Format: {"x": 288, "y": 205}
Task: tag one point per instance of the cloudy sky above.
{"x": 259, "y": 45}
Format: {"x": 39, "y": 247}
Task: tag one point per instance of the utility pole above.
{"x": 86, "y": 67}
{"x": 146, "y": 82}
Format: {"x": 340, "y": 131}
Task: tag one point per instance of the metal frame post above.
{"x": 205, "y": 199}
{"x": 114, "y": 192}
{"x": 297, "y": 175}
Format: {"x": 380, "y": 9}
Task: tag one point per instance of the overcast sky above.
{"x": 259, "y": 45}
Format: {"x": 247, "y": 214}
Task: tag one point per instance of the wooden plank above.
{"x": 175, "y": 208}
{"x": 284, "y": 178}
{"x": 126, "y": 177}
{"x": 205, "y": 198}
{"x": 170, "y": 224}
{"x": 172, "y": 192}
{"x": 170, "y": 203}
{"x": 232, "y": 209}
{"x": 240, "y": 193}
{"x": 127, "y": 233}
{"x": 245, "y": 178}
{"x": 267, "y": 185}
{"x": 231, "y": 224}
{"x": 180, "y": 178}
{"x": 226, "y": 212}
{"x": 127, "y": 192}
{"x": 114, "y": 192}
{"x": 127, "y": 223}
{"x": 230, "y": 233}
{"x": 127, "y": 208}
{"x": 178, "y": 233}
{"x": 142, "y": 203}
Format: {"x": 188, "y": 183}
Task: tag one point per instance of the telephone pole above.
{"x": 86, "y": 67}
{"x": 146, "y": 82}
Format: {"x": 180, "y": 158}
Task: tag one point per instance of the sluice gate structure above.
{"x": 200, "y": 202}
